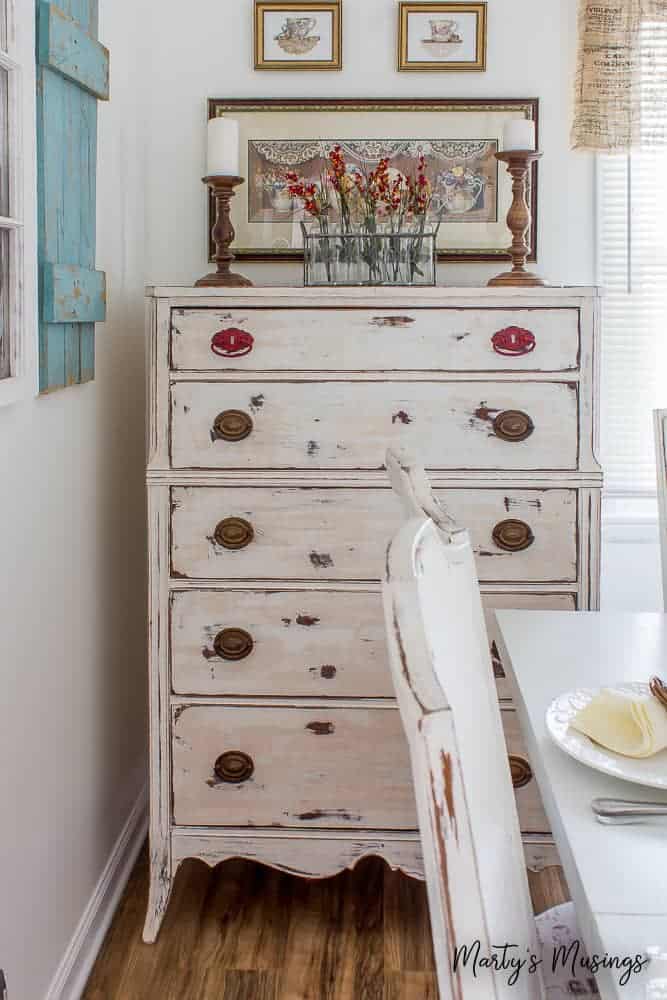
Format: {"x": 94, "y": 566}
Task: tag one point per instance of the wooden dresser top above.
{"x": 382, "y": 294}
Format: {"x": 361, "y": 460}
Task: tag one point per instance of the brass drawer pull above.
{"x": 234, "y": 533}
{"x": 234, "y": 767}
{"x": 497, "y": 663}
{"x": 513, "y": 426}
{"x": 513, "y": 535}
{"x": 232, "y": 425}
{"x": 521, "y": 771}
{"x": 233, "y": 644}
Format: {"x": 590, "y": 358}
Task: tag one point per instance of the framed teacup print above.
{"x": 447, "y": 37}
{"x": 470, "y": 192}
{"x": 298, "y": 35}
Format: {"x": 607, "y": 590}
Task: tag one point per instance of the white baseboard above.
{"x": 77, "y": 962}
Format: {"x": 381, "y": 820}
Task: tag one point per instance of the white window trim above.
{"x": 19, "y": 62}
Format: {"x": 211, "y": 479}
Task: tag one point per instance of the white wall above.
{"x": 72, "y": 541}
{"x": 631, "y": 568}
{"x": 208, "y": 53}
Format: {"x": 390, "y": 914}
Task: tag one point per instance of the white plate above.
{"x": 651, "y": 771}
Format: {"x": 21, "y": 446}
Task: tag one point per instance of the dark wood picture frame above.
{"x": 530, "y": 107}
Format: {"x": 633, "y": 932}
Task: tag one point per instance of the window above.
{"x": 12, "y": 354}
{"x": 632, "y": 269}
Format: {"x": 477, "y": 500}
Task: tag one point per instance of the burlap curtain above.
{"x": 621, "y": 83}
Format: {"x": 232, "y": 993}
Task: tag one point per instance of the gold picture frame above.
{"x": 453, "y": 46}
{"x": 296, "y": 43}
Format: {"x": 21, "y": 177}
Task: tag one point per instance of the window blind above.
{"x": 632, "y": 269}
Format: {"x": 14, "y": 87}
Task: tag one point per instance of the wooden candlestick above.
{"x": 223, "y": 236}
{"x": 519, "y": 162}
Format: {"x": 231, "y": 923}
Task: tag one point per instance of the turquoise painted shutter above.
{"x": 72, "y": 75}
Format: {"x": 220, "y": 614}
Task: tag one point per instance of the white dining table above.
{"x": 617, "y": 875}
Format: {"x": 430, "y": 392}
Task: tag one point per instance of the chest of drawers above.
{"x": 274, "y": 733}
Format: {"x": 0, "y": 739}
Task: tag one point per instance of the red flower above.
{"x": 337, "y": 161}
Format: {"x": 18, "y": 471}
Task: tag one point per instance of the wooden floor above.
{"x": 243, "y": 932}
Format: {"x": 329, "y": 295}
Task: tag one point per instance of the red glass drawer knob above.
{"x": 232, "y": 343}
{"x": 513, "y": 342}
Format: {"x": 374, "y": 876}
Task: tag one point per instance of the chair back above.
{"x": 440, "y": 661}
{"x": 660, "y": 424}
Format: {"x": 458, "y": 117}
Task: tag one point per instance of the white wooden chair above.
{"x": 473, "y": 856}
{"x": 660, "y": 423}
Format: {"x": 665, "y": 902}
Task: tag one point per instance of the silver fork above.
{"x": 619, "y": 812}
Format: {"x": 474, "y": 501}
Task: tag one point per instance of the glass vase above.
{"x": 370, "y": 258}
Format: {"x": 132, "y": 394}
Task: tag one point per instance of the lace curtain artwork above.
{"x": 620, "y": 99}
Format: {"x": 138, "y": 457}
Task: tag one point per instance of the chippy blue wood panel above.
{"x": 72, "y": 294}
{"x": 67, "y": 167}
{"x": 69, "y": 50}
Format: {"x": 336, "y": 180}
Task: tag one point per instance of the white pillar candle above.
{"x": 519, "y": 134}
{"x": 223, "y": 148}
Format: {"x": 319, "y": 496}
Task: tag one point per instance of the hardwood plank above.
{"x": 121, "y": 937}
{"x": 245, "y": 932}
{"x": 166, "y": 969}
{"x": 251, "y": 905}
{"x": 407, "y": 928}
{"x": 310, "y": 955}
{"x": 548, "y": 888}
{"x": 247, "y": 986}
{"x": 223, "y": 904}
{"x": 411, "y": 986}
{"x": 366, "y": 896}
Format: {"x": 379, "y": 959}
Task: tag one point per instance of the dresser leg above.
{"x": 161, "y": 879}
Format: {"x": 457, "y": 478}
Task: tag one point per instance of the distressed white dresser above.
{"x": 274, "y": 734}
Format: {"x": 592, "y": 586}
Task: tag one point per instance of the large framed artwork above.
{"x": 472, "y": 192}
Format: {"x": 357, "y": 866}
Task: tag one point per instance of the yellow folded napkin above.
{"x": 632, "y": 725}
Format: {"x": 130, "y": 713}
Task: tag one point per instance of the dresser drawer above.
{"x": 326, "y": 644}
{"x": 313, "y": 767}
{"x": 301, "y": 767}
{"x": 528, "y": 602}
{"x": 323, "y": 644}
{"x": 305, "y": 534}
{"x": 532, "y": 818}
{"x": 349, "y": 425}
{"x": 375, "y": 339}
